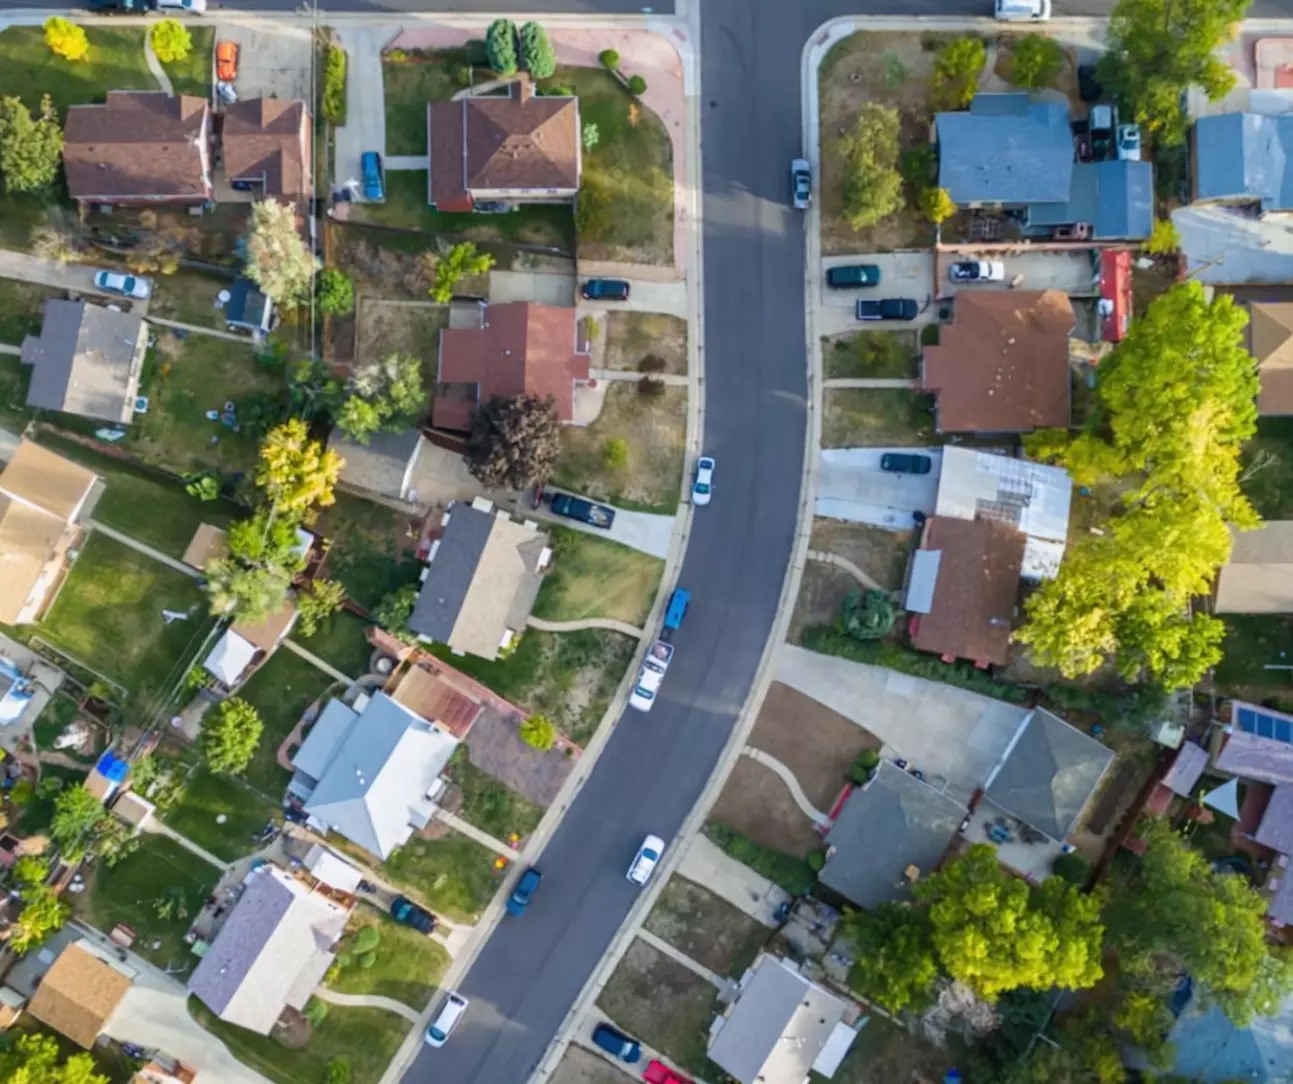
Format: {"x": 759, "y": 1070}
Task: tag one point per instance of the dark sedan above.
{"x": 605, "y": 290}
{"x": 905, "y": 463}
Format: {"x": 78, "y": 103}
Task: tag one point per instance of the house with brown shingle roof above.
{"x": 78, "y": 995}
{"x": 1002, "y": 365}
{"x": 518, "y": 147}
{"x": 520, "y": 347}
{"x": 139, "y": 147}
{"x": 266, "y": 144}
{"x": 1270, "y": 341}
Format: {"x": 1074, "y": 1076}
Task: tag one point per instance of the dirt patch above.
{"x": 666, "y": 1004}
{"x": 821, "y": 590}
{"x": 708, "y": 929}
{"x": 635, "y": 338}
{"x": 382, "y": 263}
{"x": 892, "y": 355}
{"x": 757, "y": 804}
{"x": 881, "y": 554}
{"x": 384, "y": 328}
{"x": 877, "y": 417}
{"x": 578, "y": 1066}
{"x": 817, "y": 744}
{"x": 884, "y": 1053}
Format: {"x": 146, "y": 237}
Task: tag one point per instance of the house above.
{"x": 209, "y": 542}
{"x": 1115, "y": 198}
{"x": 245, "y": 646}
{"x": 271, "y": 953}
{"x": 334, "y": 871}
{"x": 963, "y": 589}
{"x": 481, "y": 580}
{"x": 521, "y": 347}
{"x": 519, "y": 148}
{"x": 16, "y": 691}
{"x": 1002, "y": 365}
{"x": 1258, "y": 578}
{"x": 366, "y": 771}
{"x": 1207, "y": 1047}
{"x": 891, "y": 831}
{"x": 139, "y": 147}
{"x": 79, "y": 994}
{"x": 385, "y": 465}
{"x": 43, "y": 500}
{"x": 1270, "y": 341}
{"x": 87, "y": 360}
{"x": 1032, "y": 497}
{"x": 440, "y": 695}
{"x": 248, "y": 309}
{"x": 1243, "y": 159}
{"x": 266, "y": 144}
{"x": 780, "y": 1027}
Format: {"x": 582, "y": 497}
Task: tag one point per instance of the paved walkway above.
{"x": 676, "y": 380}
{"x": 472, "y": 832}
{"x": 155, "y": 66}
{"x": 868, "y": 382}
{"x": 848, "y": 566}
{"x": 405, "y": 161}
{"x": 608, "y": 623}
{"x": 706, "y": 864}
{"x": 792, "y": 784}
{"x": 73, "y": 276}
{"x": 661, "y": 945}
{"x": 313, "y": 659}
{"x": 198, "y": 329}
{"x": 146, "y": 549}
{"x": 367, "y": 1001}
{"x": 157, "y": 828}
{"x": 12, "y": 351}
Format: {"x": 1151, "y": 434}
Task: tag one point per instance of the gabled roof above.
{"x": 137, "y": 144}
{"x": 1270, "y": 341}
{"x": 384, "y": 465}
{"x": 208, "y": 543}
{"x": 78, "y": 995}
{"x": 268, "y": 140}
{"x": 86, "y": 360}
{"x": 1258, "y": 578}
{"x": 1048, "y": 774}
{"x": 1002, "y": 365}
{"x": 1244, "y": 156}
{"x": 268, "y": 634}
{"x": 1115, "y": 197}
{"x": 1006, "y": 149}
{"x": 1248, "y": 755}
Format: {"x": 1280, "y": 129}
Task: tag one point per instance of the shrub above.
{"x": 615, "y": 452}
{"x": 367, "y": 938}
{"x": 637, "y": 85}
{"x": 1164, "y": 239}
{"x": 66, "y": 39}
{"x": 462, "y": 75}
{"x": 864, "y": 766}
{"x": 22, "y": 793}
{"x": 793, "y": 874}
{"x": 919, "y": 168}
{"x": 1035, "y": 61}
{"x": 500, "y": 46}
{"x": 609, "y": 59}
{"x": 397, "y": 55}
{"x": 651, "y": 364}
{"x": 816, "y": 860}
{"x": 650, "y": 389}
{"x": 538, "y": 732}
{"x": 477, "y": 53}
{"x": 872, "y": 184}
{"x": 590, "y": 136}
{"x": 316, "y": 1011}
{"x": 537, "y": 54}
{"x": 171, "y": 41}
{"x": 1072, "y": 867}
{"x": 956, "y": 73}
{"x": 936, "y": 204}
{"x": 339, "y": 1071}
{"x": 366, "y": 960}
{"x": 334, "y": 292}
{"x": 334, "y": 85}
{"x": 593, "y": 209}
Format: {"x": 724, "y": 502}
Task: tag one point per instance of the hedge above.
{"x": 795, "y": 875}
{"x": 334, "y": 85}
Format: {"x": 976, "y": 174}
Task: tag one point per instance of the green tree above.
{"x": 514, "y": 442}
{"x": 42, "y": 914}
{"x": 66, "y": 39}
{"x": 866, "y": 615}
{"x": 315, "y": 1011}
{"x": 500, "y": 46}
{"x": 538, "y": 732}
{"x": 243, "y": 592}
{"x": 1158, "y": 49}
{"x": 204, "y": 486}
{"x": 957, "y": 67}
{"x": 339, "y": 1071}
{"x": 394, "y": 611}
{"x": 334, "y": 84}
{"x": 31, "y": 148}
{"x": 297, "y": 474}
{"x": 78, "y": 815}
{"x": 229, "y": 740}
{"x": 387, "y": 394}
{"x": 278, "y": 259}
{"x": 171, "y": 41}
{"x": 995, "y": 932}
{"x": 31, "y": 870}
{"x": 937, "y": 204}
{"x": 459, "y": 262}
{"x": 264, "y": 539}
{"x": 1163, "y": 239}
{"x": 334, "y": 292}
{"x": 615, "y": 452}
{"x": 637, "y": 85}
{"x": 609, "y": 59}
{"x": 316, "y": 603}
{"x": 896, "y": 963}
{"x": 537, "y": 54}
{"x": 34, "y": 1059}
{"x": 872, "y": 183}
{"x": 1035, "y": 61}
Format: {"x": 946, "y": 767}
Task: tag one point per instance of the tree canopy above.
{"x": 296, "y": 474}
{"x": 171, "y": 41}
{"x": 42, "y": 913}
{"x": 388, "y": 394}
{"x": 896, "y": 962}
{"x": 66, "y": 39}
{"x": 230, "y": 736}
{"x": 500, "y": 46}
{"x": 35, "y": 1059}
{"x": 31, "y": 148}
{"x": 334, "y": 292}
{"x": 455, "y": 264}
{"x": 394, "y": 610}
{"x": 537, "y": 54}
{"x": 317, "y": 602}
{"x": 278, "y": 259}
{"x": 77, "y": 816}
{"x": 1035, "y": 60}
{"x": 957, "y": 68}
{"x": 872, "y": 183}
{"x": 514, "y": 442}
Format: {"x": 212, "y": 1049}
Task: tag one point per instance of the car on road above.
{"x": 370, "y": 166}
{"x": 977, "y": 271}
{"x": 1127, "y": 141}
{"x": 605, "y": 290}
{"x": 521, "y": 896}
{"x": 906, "y": 463}
{"x": 1023, "y": 11}
{"x": 646, "y": 860}
{"x": 703, "y": 487}
{"x": 596, "y": 515}
{"x": 408, "y": 913}
{"x": 127, "y": 285}
{"x": 616, "y": 1043}
{"x": 447, "y": 1019}
{"x": 197, "y": 7}
{"x": 853, "y": 276}
{"x": 227, "y": 61}
{"x": 121, "y": 7}
{"x": 891, "y": 308}
{"x": 801, "y": 183}
{"x": 651, "y": 676}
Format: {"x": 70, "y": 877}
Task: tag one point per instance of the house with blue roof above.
{"x": 1212, "y": 1050}
{"x": 1244, "y": 158}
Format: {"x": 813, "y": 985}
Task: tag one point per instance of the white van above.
{"x": 1023, "y": 11}
{"x": 442, "y": 1026}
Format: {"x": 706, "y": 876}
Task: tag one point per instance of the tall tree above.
{"x": 265, "y": 540}
{"x": 316, "y": 603}
{"x": 334, "y": 292}
{"x": 872, "y": 183}
{"x": 229, "y": 740}
{"x": 896, "y": 963}
{"x": 1158, "y": 49}
{"x": 394, "y": 611}
{"x": 42, "y": 913}
{"x": 500, "y": 46}
{"x": 388, "y": 394}
{"x": 537, "y": 53}
{"x": 297, "y": 474}
{"x": 77, "y": 816}
{"x": 278, "y": 259}
{"x": 245, "y": 592}
{"x": 31, "y": 148}
{"x": 514, "y": 441}
{"x": 34, "y": 1059}
{"x": 455, "y": 264}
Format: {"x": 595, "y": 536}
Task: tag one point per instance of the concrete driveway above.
{"x": 902, "y": 274}
{"x": 645, "y": 296}
{"x": 851, "y": 486}
{"x": 365, "y": 127}
{"x": 273, "y": 59}
{"x": 1224, "y": 247}
{"x": 953, "y": 736}
{"x": 549, "y": 289}
{"x": 1073, "y": 272}
{"x": 643, "y": 531}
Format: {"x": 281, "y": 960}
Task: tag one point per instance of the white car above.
{"x": 977, "y": 271}
{"x": 197, "y": 7}
{"x": 1023, "y": 11}
{"x": 442, "y": 1026}
{"x": 1128, "y": 141}
{"x": 651, "y": 675}
{"x": 703, "y": 487}
{"x": 646, "y": 860}
{"x": 127, "y": 285}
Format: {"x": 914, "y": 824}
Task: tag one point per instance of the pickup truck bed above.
{"x": 659, "y": 1073}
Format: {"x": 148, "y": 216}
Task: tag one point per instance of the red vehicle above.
{"x": 227, "y": 61}
{"x": 659, "y": 1073}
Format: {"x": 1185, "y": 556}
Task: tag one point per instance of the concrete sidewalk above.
{"x": 73, "y": 276}
{"x": 706, "y": 864}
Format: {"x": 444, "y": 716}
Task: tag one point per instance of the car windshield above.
{"x": 702, "y": 487}
{"x": 644, "y": 693}
{"x": 436, "y": 1033}
{"x": 649, "y": 855}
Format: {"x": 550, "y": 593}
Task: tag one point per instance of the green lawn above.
{"x": 1253, "y": 642}
{"x": 20, "y": 308}
{"x": 408, "y": 965}
{"x": 280, "y": 691}
{"x": 207, "y": 796}
{"x": 408, "y": 85}
{"x": 341, "y": 641}
{"x": 885, "y": 354}
{"x": 1268, "y": 468}
{"x": 108, "y": 615}
{"x": 160, "y": 874}
{"x": 594, "y": 577}
{"x": 189, "y": 297}
{"x": 116, "y": 62}
{"x": 372, "y": 553}
{"x": 193, "y": 74}
{"x": 454, "y": 876}
{"x": 861, "y": 417}
{"x": 35, "y": 817}
{"x": 15, "y": 377}
{"x": 20, "y": 214}
{"x": 59, "y": 713}
{"x": 142, "y": 503}
{"x": 367, "y": 1038}
{"x": 488, "y": 804}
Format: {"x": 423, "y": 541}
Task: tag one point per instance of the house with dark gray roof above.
{"x": 384, "y": 465}
{"x": 86, "y": 360}
{"x": 1115, "y": 198}
{"x": 271, "y": 953}
{"x": 481, "y": 580}
{"x": 1244, "y": 158}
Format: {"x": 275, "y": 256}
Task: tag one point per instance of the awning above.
{"x": 833, "y": 1052}
{"x": 229, "y": 658}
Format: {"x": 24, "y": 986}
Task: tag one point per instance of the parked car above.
{"x": 455, "y": 1005}
{"x": 801, "y": 183}
{"x": 977, "y": 271}
{"x": 408, "y": 913}
{"x": 493, "y": 207}
{"x": 227, "y": 61}
{"x": 646, "y": 860}
{"x": 1016, "y": 11}
{"x": 616, "y": 1043}
{"x": 597, "y": 515}
{"x": 127, "y": 285}
{"x": 197, "y": 7}
{"x": 651, "y": 676}
{"x": 906, "y": 463}
{"x": 677, "y": 609}
{"x": 703, "y": 487}
{"x": 521, "y": 896}
{"x": 892, "y": 308}
{"x": 659, "y": 1073}
{"x": 1128, "y": 142}
{"x": 853, "y": 276}
{"x": 605, "y": 290}
{"x": 1089, "y": 89}
{"x": 370, "y": 166}
{"x": 121, "y": 7}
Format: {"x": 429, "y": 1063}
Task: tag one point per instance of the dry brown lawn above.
{"x": 632, "y": 337}
{"x": 876, "y": 417}
{"x": 884, "y": 1053}
{"x": 578, "y": 1066}
{"x": 881, "y": 554}
{"x": 383, "y": 328}
{"x": 757, "y": 804}
{"x": 821, "y": 590}
{"x": 708, "y": 929}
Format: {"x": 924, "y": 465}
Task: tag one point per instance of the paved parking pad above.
{"x": 902, "y": 274}
{"x": 272, "y": 61}
{"x": 851, "y": 486}
{"x": 1072, "y": 270}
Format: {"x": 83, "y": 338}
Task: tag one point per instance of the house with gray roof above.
{"x": 780, "y": 1027}
{"x": 481, "y": 580}
{"x": 271, "y": 953}
{"x": 86, "y": 360}
{"x": 1116, "y": 198}
{"x": 892, "y": 830}
{"x": 366, "y": 771}
{"x": 1209, "y": 1048}
{"x": 384, "y": 464}
{"x": 1244, "y": 158}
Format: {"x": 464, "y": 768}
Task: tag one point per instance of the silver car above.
{"x": 801, "y": 183}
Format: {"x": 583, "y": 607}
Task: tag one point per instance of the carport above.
{"x": 851, "y": 486}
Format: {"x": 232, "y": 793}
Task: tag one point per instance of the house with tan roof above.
{"x": 1270, "y": 341}
{"x": 519, "y": 148}
{"x": 266, "y": 146}
{"x": 1002, "y": 365}
{"x": 139, "y": 147}
{"x": 519, "y": 348}
{"x": 1258, "y": 578}
{"x": 79, "y": 994}
{"x": 246, "y": 646}
{"x": 43, "y": 500}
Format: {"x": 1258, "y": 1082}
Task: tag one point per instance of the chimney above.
{"x": 524, "y": 89}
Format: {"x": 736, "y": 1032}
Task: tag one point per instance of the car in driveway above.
{"x": 595, "y": 515}
{"x": 455, "y": 1005}
{"x": 605, "y": 290}
{"x": 977, "y": 271}
{"x": 114, "y": 282}
{"x": 801, "y": 183}
{"x": 227, "y": 61}
{"x": 853, "y": 276}
{"x": 408, "y": 913}
{"x": 370, "y": 167}
{"x": 646, "y": 860}
{"x": 1127, "y": 141}
{"x": 521, "y": 896}
{"x": 891, "y": 308}
{"x": 703, "y": 487}
{"x": 616, "y": 1043}
{"x": 906, "y": 463}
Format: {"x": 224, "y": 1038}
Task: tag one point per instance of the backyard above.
{"x": 408, "y": 963}
{"x": 20, "y": 310}
{"x": 34, "y": 818}
{"x": 489, "y": 805}
{"x": 372, "y": 548}
{"x": 453, "y": 875}
{"x": 594, "y": 577}
{"x": 884, "y": 1052}
{"x": 1256, "y": 651}
{"x": 651, "y": 423}
{"x": 61, "y": 711}
{"x": 189, "y": 297}
{"x": 206, "y": 797}
{"x": 383, "y": 328}
{"x": 280, "y": 691}
{"x": 876, "y": 417}
{"x": 872, "y": 354}
{"x": 341, "y": 642}
{"x": 29, "y": 69}
{"x": 654, "y": 338}
{"x": 708, "y": 929}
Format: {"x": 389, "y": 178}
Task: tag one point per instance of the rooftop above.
{"x": 267, "y": 140}
{"x": 1258, "y": 578}
{"x": 1244, "y": 156}
{"x": 78, "y": 995}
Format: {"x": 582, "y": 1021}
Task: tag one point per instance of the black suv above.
{"x": 598, "y": 515}
{"x": 905, "y": 463}
{"x": 408, "y": 913}
{"x": 891, "y": 308}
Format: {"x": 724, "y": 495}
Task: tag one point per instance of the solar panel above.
{"x": 1265, "y": 724}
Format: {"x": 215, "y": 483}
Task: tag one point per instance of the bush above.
{"x": 66, "y": 39}
{"x": 816, "y": 860}
{"x": 477, "y": 53}
{"x": 462, "y": 75}
{"x": 334, "y": 292}
{"x": 864, "y": 766}
{"x": 936, "y": 205}
{"x": 171, "y": 41}
{"x": 590, "y": 136}
{"x": 500, "y": 46}
{"x": 537, "y": 54}
{"x": 956, "y": 73}
{"x": 334, "y": 85}
{"x": 538, "y": 732}
{"x": 615, "y": 452}
{"x": 919, "y": 168}
{"x": 1163, "y": 240}
{"x": 1072, "y": 867}
{"x": 366, "y": 960}
{"x": 637, "y": 85}
{"x": 793, "y": 874}
{"x": 609, "y": 59}
{"x": 339, "y": 1071}
{"x": 316, "y": 1011}
{"x": 1035, "y": 61}
{"x": 872, "y": 184}
{"x": 396, "y": 55}
{"x": 367, "y": 938}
